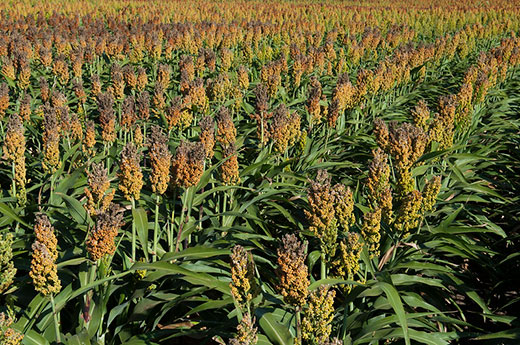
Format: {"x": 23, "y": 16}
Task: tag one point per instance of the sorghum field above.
{"x": 254, "y": 172}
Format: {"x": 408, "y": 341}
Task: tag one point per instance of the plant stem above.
{"x": 224, "y": 209}
{"x": 201, "y": 213}
{"x": 327, "y": 138}
{"x": 14, "y": 179}
{"x": 181, "y": 224}
{"x": 52, "y": 189}
{"x": 323, "y": 267}
{"x": 106, "y": 152}
{"x": 262, "y": 129}
{"x": 344, "y": 326}
{"x": 133, "y": 233}
{"x": 156, "y": 228}
{"x": 170, "y": 239}
{"x": 56, "y": 324}
{"x": 298, "y": 325}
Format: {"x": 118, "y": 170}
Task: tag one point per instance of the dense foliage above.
{"x": 245, "y": 172}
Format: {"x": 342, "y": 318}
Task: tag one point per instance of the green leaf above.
{"x": 139, "y": 340}
{"x": 10, "y": 213}
{"x": 277, "y": 333}
{"x": 31, "y": 337}
{"x": 196, "y": 278}
{"x": 210, "y": 305}
{"x": 79, "y": 339}
{"x": 74, "y": 207}
{"x": 513, "y": 333}
{"x": 68, "y": 181}
{"x": 396, "y": 303}
{"x": 140, "y": 219}
{"x": 332, "y": 281}
{"x": 86, "y": 288}
{"x": 195, "y": 253}
{"x": 263, "y": 340}
{"x": 71, "y": 262}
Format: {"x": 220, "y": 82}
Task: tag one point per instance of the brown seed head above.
{"x": 43, "y": 265}
{"x": 158, "y": 99}
{"x": 243, "y": 78}
{"x": 188, "y": 164}
{"x": 101, "y": 240}
{"x": 51, "y": 140}
{"x": 421, "y": 115}
{"x": 406, "y": 144}
{"x": 378, "y": 184}
{"x": 322, "y": 214}
{"x": 118, "y": 81}
{"x": 130, "y": 76}
{"x": 381, "y": 133}
{"x": 14, "y": 140}
{"x": 90, "y": 138}
{"x": 107, "y": 116}
{"x": 160, "y": 159}
{"x": 229, "y": 168}
{"x": 143, "y": 106}
{"x": 226, "y": 131}
{"x": 163, "y": 75}
{"x": 313, "y": 101}
{"x": 142, "y": 79}
{"x": 262, "y": 99}
{"x": 4, "y": 99}
{"x": 207, "y": 135}
{"x": 98, "y": 184}
{"x": 96, "y": 85}
{"x": 128, "y": 115}
{"x": 130, "y": 174}
{"x": 25, "y": 107}
{"x": 292, "y": 271}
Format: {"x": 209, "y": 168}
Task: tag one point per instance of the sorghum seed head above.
{"x": 7, "y": 269}
{"x": 371, "y": 231}
{"x": 292, "y": 272}
{"x": 188, "y": 164}
{"x": 246, "y": 332}
{"x": 160, "y": 159}
{"x": 101, "y": 240}
{"x": 130, "y": 174}
{"x": 226, "y": 131}
{"x": 317, "y": 322}
{"x": 207, "y": 135}
{"x": 44, "y": 271}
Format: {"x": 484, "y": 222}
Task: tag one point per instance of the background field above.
{"x": 247, "y": 172}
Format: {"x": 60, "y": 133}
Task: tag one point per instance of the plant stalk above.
{"x": 323, "y": 267}
{"x": 156, "y": 228}
{"x": 133, "y": 233}
{"x": 298, "y": 325}
{"x": 182, "y": 222}
{"x": 172, "y": 228}
{"x": 56, "y": 324}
